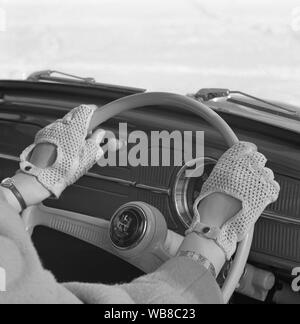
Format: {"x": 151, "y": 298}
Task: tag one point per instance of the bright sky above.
{"x": 174, "y": 45}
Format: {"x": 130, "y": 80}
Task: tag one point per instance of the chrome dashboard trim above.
{"x": 111, "y": 179}
{"x": 127, "y": 183}
{"x": 180, "y": 189}
{"x": 280, "y": 219}
{"x": 266, "y": 215}
{"x": 9, "y": 157}
{"x": 158, "y": 190}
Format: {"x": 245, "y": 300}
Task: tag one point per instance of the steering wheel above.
{"x": 155, "y": 100}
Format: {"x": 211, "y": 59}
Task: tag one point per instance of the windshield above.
{"x": 165, "y": 45}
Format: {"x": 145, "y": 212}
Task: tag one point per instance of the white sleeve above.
{"x": 179, "y": 281}
{"x": 26, "y": 280}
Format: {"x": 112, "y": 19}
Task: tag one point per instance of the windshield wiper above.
{"x": 47, "y": 75}
{"x": 66, "y": 78}
{"x": 211, "y": 94}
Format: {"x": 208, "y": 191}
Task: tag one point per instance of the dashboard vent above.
{"x": 288, "y": 204}
{"x": 277, "y": 239}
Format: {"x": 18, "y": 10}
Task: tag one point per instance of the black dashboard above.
{"x": 25, "y": 108}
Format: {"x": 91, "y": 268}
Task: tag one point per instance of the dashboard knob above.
{"x": 139, "y": 235}
{"x": 128, "y": 227}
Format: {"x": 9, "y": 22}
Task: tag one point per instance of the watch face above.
{"x": 7, "y": 183}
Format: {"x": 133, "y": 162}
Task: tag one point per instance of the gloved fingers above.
{"x": 267, "y": 184}
{"x": 71, "y": 130}
{"x": 83, "y": 117}
{"x": 90, "y": 154}
{"x": 113, "y": 145}
{"x": 92, "y": 149}
{"x": 78, "y": 120}
{"x": 260, "y": 160}
{"x": 77, "y": 113}
{"x": 269, "y": 174}
{"x": 98, "y": 136}
{"x": 238, "y": 151}
{"x": 243, "y": 148}
{"x": 269, "y": 177}
{"x": 109, "y": 142}
{"x": 276, "y": 186}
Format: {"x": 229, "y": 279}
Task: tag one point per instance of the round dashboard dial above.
{"x": 186, "y": 190}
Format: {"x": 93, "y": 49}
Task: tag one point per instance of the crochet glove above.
{"x": 75, "y": 153}
{"x": 240, "y": 173}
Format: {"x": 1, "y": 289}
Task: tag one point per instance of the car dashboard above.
{"x": 25, "y": 108}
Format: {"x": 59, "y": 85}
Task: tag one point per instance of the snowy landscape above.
{"x": 167, "y": 45}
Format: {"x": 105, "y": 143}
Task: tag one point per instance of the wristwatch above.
{"x": 9, "y": 184}
{"x": 200, "y": 259}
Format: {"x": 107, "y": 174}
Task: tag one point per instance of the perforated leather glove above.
{"x": 75, "y": 153}
{"x": 240, "y": 173}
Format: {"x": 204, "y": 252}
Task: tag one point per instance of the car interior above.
{"x": 72, "y": 235}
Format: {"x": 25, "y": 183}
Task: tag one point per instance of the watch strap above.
{"x": 9, "y": 184}
{"x": 199, "y": 259}
{"x": 203, "y": 230}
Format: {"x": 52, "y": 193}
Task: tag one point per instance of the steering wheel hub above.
{"x": 128, "y": 227}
